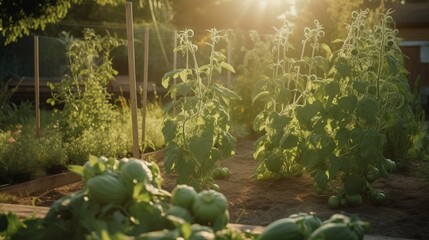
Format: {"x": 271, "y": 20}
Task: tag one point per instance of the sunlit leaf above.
{"x": 260, "y": 89}
{"x": 166, "y": 78}
{"x": 227, "y": 66}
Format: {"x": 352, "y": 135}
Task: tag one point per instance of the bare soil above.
{"x": 405, "y": 213}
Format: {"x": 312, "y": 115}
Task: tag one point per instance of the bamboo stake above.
{"x": 36, "y": 85}
{"x": 145, "y": 79}
{"x": 132, "y": 77}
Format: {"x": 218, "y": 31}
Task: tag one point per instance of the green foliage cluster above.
{"x": 339, "y": 115}
{"x": 19, "y": 18}
{"x": 23, "y": 157}
{"x": 123, "y": 199}
{"x": 197, "y": 119}
{"x": 12, "y": 114}
{"x": 83, "y": 92}
{"x": 253, "y": 65}
{"x": 88, "y": 123}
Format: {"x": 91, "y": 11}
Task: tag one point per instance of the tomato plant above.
{"x": 336, "y": 114}
{"x": 197, "y": 120}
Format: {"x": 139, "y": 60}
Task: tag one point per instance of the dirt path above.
{"x": 253, "y": 202}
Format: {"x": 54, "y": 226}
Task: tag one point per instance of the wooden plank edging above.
{"x": 41, "y": 184}
{"x": 58, "y": 180}
{"x": 157, "y": 155}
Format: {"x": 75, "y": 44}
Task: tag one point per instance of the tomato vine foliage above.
{"x": 197, "y": 119}
{"x": 336, "y": 114}
{"x": 83, "y": 90}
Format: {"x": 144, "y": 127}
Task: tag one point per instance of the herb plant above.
{"x": 197, "y": 120}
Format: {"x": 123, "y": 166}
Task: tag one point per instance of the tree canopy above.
{"x": 19, "y": 17}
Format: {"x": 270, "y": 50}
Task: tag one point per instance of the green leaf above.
{"x": 169, "y": 130}
{"x": 335, "y": 164}
{"x": 310, "y": 159}
{"x": 260, "y": 122}
{"x": 322, "y": 63}
{"x": 260, "y": 89}
{"x": 343, "y": 67}
{"x": 172, "y": 153}
{"x": 78, "y": 169}
{"x": 393, "y": 64}
{"x": 359, "y": 86}
{"x": 343, "y": 137}
{"x": 201, "y": 142}
{"x": 321, "y": 178}
{"x": 367, "y": 109}
{"x": 325, "y": 48}
{"x": 348, "y": 103}
{"x": 224, "y": 92}
{"x": 289, "y": 141}
{"x": 279, "y": 122}
{"x": 307, "y": 112}
{"x": 259, "y": 95}
{"x": 327, "y": 145}
{"x": 227, "y": 66}
{"x": 353, "y": 184}
{"x": 191, "y": 103}
{"x": 166, "y": 78}
{"x": 227, "y": 142}
{"x": 371, "y": 143}
{"x": 284, "y": 96}
{"x": 183, "y": 89}
{"x": 332, "y": 89}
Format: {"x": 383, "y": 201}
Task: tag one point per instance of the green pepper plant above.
{"x": 197, "y": 119}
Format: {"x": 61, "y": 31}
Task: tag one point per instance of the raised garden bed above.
{"x": 44, "y": 184}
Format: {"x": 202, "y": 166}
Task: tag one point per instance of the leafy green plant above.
{"x": 24, "y": 157}
{"x": 197, "y": 120}
{"x": 83, "y": 92}
{"x": 256, "y": 61}
{"x": 340, "y": 115}
{"x": 284, "y": 91}
{"x": 12, "y": 114}
{"x": 123, "y": 199}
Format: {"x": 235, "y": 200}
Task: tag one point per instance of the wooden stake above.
{"x": 36, "y": 85}
{"x": 132, "y": 78}
{"x": 145, "y": 79}
{"x": 175, "y": 65}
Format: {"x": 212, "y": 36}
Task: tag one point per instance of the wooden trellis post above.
{"x": 145, "y": 79}
{"x": 37, "y": 85}
{"x": 132, "y": 78}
